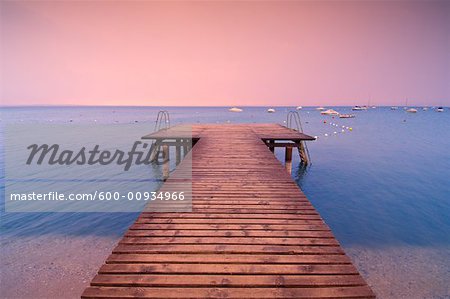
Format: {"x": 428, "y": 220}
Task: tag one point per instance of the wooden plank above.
{"x": 221, "y": 248}
{"x": 228, "y": 240}
{"x": 223, "y": 280}
{"x": 302, "y": 219}
{"x": 213, "y": 292}
{"x": 130, "y": 258}
{"x": 227, "y": 233}
{"x": 193, "y": 215}
{"x": 257, "y": 269}
{"x": 245, "y": 227}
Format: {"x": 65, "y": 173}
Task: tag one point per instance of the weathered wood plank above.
{"x": 245, "y": 227}
{"x": 221, "y": 248}
{"x": 214, "y": 292}
{"x": 223, "y": 280}
{"x": 227, "y": 233}
{"x": 228, "y": 240}
{"x": 346, "y": 269}
{"x": 130, "y": 258}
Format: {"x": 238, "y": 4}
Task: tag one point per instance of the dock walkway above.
{"x": 252, "y": 233}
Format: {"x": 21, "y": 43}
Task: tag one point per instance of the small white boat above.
{"x": 425, "y": 108}
{"x": 394, "y": 108}
{"x": 411, "y": 110}
{"x": 299, "y": 108}
{"x": 320, "y": 108}
{"x": 235, "y": 109}
{"x": 373, "y": 107}
{"x": 330, "y": 112}
{"x": 346, "y": 115}
{"x": 359, "y": 108}
{"x": 439, "y": 109}
{"x": 270, "y": 110}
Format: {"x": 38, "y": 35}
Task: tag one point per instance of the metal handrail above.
{"x": 162, "y": 123}
{"x": 162, "y": 120}
{"x": 294, "y": 115}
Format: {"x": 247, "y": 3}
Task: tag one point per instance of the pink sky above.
{"x": 225, "y": 53}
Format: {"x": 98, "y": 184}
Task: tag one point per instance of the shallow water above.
{"x": 380, "y": 186}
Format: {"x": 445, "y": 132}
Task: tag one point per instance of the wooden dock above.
{"x": 252, "y": 233}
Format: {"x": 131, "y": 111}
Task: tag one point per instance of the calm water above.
{"x": 384, "y": 183}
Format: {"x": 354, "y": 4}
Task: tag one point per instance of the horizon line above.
{"x": 220, "y": 106}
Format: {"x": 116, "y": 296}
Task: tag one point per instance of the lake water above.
{"x": 383, "y": 186}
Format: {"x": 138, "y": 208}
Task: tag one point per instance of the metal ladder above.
{"x": 293, "y": 122}
{"x": 162, "y": 120}
{"x": 162, "y": 123}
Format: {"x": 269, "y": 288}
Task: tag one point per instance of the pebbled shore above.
{"x": 404, "y": 271}
{"x": 50, "y": 266}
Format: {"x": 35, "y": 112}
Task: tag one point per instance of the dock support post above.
{"x": 165, "y": 162}
{"x": 185, "y": 147}
{"x": 178, "y": 152}
{"x": 288, "y": 159}
{"x": 188, "y": 146}
{"x": 271, "y": 147}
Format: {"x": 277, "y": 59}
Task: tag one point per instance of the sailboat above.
{"x": 406, "y": 104}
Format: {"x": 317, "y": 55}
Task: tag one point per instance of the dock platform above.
{"x": 252, "y": 233}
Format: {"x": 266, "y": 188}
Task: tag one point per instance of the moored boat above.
{"x": 346, "y": 115}
{"x": 359, "y": 108}
{"x": 235, "y": 109}
{"x": 330, "y": 112}
{"x": 270, "y": 110}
